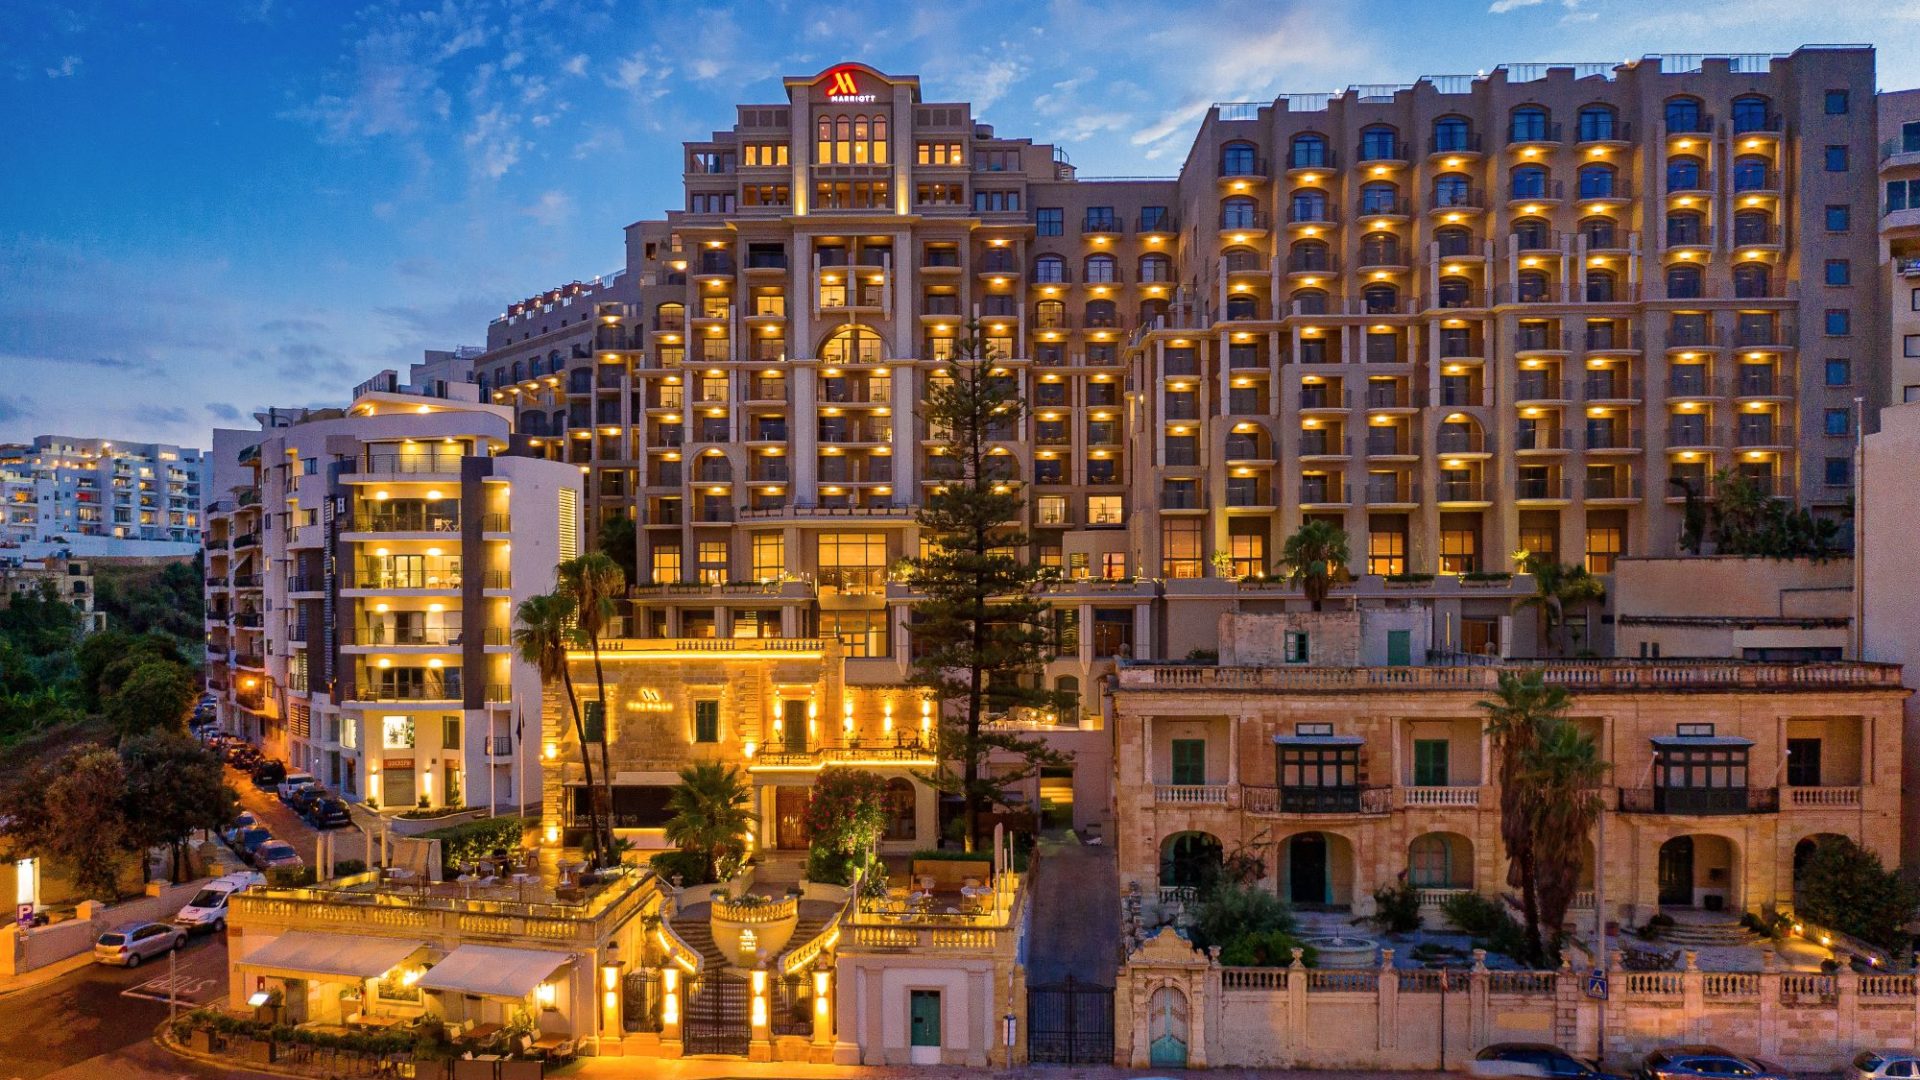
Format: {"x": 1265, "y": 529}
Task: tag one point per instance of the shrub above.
{"x": 290, "y": 877}
{"x": 1844, "y": 887}
{"x": 689, "y": 866}
{"x": 952, "y": 855}
{"x": 1233, "y": 911}
{"x": 831, "y": 867}
{"x": 478, "y": 839}
{"x": 1268, "y": 948}
{"x": 1493, "y": 929}
{"x": 1397, "y": 908}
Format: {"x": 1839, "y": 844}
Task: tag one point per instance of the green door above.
{"x": 924, "y": 1013}
{"x": 1399, "y": 648}
{"x": 1430, "y": 763}
{"x": 1190, "y": 762}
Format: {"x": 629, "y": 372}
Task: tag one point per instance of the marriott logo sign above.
{"x": 844, "y": 89}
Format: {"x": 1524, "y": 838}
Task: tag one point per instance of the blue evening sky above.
{"x": 212, "y": 206}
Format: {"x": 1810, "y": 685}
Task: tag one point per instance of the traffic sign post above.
{"x": 1597, "y": 984}
{"x": 23, "y": 914}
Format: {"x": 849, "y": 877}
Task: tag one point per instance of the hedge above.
{"x": 477, "y": 839}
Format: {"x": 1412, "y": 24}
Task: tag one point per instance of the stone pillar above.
{"x": 1296, "y": 1007}
{"x": 822, "y": 1052}
{"x": 1693, "y": 994}
{"x": 671, "y": 1002}
{"x": 760, "y": 1019}
{"x": 1477, "y": 1000}
{"x": 1387, "y": 1022}
{"x": 1769, "y": 1004}
{"x": 1846, "y": 1015}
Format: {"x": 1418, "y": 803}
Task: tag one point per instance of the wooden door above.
{"x": 789, "y": 818}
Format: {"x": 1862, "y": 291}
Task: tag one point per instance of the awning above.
{"x": 1673, "y": 742}
{"x": 1318, "y": 740}
{"x": 493, "y": 971}
{"x": 303, "y": 952}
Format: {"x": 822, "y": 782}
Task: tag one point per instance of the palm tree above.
{"x": 1564, "y": 770}
{"x": 593, "y": 581}
{"x": 1580, "y": 589}
{"x": 710, "y": 815}
{"x": 1315, "y": 557}
{"x": 543, "y": 633}
{"x": 1556, "y": 587}
{"x": 1521, "y": 705}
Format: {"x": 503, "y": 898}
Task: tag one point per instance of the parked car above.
{"x": 1690, "y": 1062}
{"x": 1532, "y": 1059}
{"x": 292, "y": 782}
{"x": 245, "y": 820}
{"x": 208, "y": 908}
{"x": 1878, "y": 1064}
{"x": 328, "y": 813}
{"x": 277, "y": 855}
{"x": 304, "y": 797}
{"x": 268, "y": 774}
{"x": 128, "y": 945}
{"x": 248, "y": 840}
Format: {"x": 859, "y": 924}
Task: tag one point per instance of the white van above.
{"x": 208, "y": 908}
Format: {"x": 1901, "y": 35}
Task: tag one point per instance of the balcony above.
{"x": 1465, "y": 797}
{"x": 403, "y": 463}
{"x": 1460, "y": 491}
{"x": 1821, "y": 797}
{"x": 1541, "y": 489}
{"x": 1101, "y": 225}
{"x": 368, "y": 520}
{"x": 1190, "y": 794}
{"x": 445, "y": 687}
{"x": 1700, "y": 801}
{"x": 1316, "y": 800}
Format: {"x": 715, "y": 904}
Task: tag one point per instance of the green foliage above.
{"x": 1315, "y": 558}
{"x": 617, "y": 540}
{"x": 477, "y": 839}
{"x": 1844, "y": 887}
{"x": 39, "y": 622}
{"x": 982, "y": 630}
{"x": 595, "y": 583}
{"x": 155, "y": 696}
{"x": 1229, "y": 912}
{"x": 1556, "y": 588}
{"x": 72, "y": 811}
{"x": 830, "y": 867}
{"x": 174, "y": 786}
{"x": 848, "y": 812}
{"x": 1742, "y": 519}
{"x": 710, "y": 817}
{"x": 1267, "y": 948}
{"x": 1523, "y": 713}
{"x": 1397, "y": 908}
{"x": 690, "y": 867}
{"x": 545, "y": 627}
{"x": 168, "y": 600}
{"x": 1488, "y": 921}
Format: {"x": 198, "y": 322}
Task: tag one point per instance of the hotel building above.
{"x": 97, "y": 497}
{"x": 360, "y": 594}
{"x": 1900, "y": 236}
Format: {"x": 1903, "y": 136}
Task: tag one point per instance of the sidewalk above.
{"x": 40, "y": 976}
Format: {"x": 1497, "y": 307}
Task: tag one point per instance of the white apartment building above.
{"x": 97, "y": 497}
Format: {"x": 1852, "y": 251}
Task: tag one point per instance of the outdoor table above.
{"x": 483, "y": 1032}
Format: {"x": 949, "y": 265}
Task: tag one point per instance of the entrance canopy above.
{"x": 494, "y": 971}
{"x": 305, "y": 953}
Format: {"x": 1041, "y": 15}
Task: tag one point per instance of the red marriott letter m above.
{"x": 843, "y": 84}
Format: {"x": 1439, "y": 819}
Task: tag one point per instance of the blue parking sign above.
{"x": 1597, "y": 984}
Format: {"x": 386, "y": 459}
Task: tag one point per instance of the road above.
{"x": 348, "y": 843}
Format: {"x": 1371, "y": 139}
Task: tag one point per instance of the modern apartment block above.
{"x": 99, "y": 497}
{"x": 1460, "y": 317}
{"x": 361, "y": 586}
{"x": 1900, "y": 236}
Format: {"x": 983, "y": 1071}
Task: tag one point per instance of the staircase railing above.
{"x": 797, "y": 957}
{"x": 678, "y": 950}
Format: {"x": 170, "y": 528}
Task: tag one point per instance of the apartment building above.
{"x": 361, "y": 585}
{"x": 100, "y": 497}
{"x": 1900, "y": 236}
{"x": 1342, "y": 773}
{"x": 67, "y": 580}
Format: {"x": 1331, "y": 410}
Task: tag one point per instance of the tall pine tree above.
{"x": 981, "y": 631}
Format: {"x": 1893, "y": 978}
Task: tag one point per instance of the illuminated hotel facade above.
{"x": 1460, "y": 317}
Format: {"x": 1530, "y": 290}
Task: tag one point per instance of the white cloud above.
{"x": 576, "y": 64}
{"x": 553, "y": 208}
{"x": 1501, "y": 7}
{"x": 68, "y": 65}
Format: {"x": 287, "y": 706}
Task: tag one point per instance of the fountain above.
{"x": 1344, "y": 950}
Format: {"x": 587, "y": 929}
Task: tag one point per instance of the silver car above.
{"x": 127, "y": 946}
{"x": 1878, "y": 1064}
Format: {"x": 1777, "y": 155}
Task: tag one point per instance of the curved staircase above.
{"x": 1694, "y": 931}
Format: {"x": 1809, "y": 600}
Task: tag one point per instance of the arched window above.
{"x": 533, "y": 423}
{"x": 1528, "y": 182}
{"x": 580, "y": 381}
{"x": 1528, "y": 123}
{"x": 1596, "y": 181}
{"x": 1189, "y": 860}
{"x": 1430, "y": 862}
{"x": 901, "y": 823}
{"x": 1686, "y": 227}
{"x": 1102, "y": 268}
{"x": 1307, "y": 152}
{"x": 1242, "y": 307}
{"x": 1601, "y": 232}
{"x": 823, "y": 141}
{"x": 557, "y": 425}
{"x": 1684, "y": 116}
{"x": 1307, "y": 204}
{"x": 1452, "y": 189}
{"x": 1239, "y": 212}
{"x": 519, "y": 371}
{"x": 1152, "y": 309}
{"x": 1685, "y": 174}
{"x": 1156, "y": 268}
{"x": 1380, "y": 299}
{"x": 1380, "y": 249}
{"x": 1456, "y": 292}
{"x": 1752, "y": 227}
{"x": 1103, "y": 313}
{"x": 1533, "y": 286}
{"x": 851, "y": 140}
{"x": 670, "y": 317}
{"x": 1452, "y": 134}
{"x": 1454, "y": 241}
{"x": 1602, "y": 286}
{"x": 1049, "y": 315}
{"x": 1751, "y": 113}
{"x": 1599, "y": 123}
{"x": 1751, "y": 173}
{"x": 1311, "y": 256}
{"x": 1532, "y": 234}
{"x": 1241, "y": 260}
{"x": 1050, "y": 268}
{"x": 1309, "y": 301}
{"x": 1380, "y": 197}
{"x": 853, "y": 345}
{"x": 1379, "y": 143}
{"x": 1238, "y": 159}
{"x": 1752, "y": 281}
{"x": 1683, "y": 282}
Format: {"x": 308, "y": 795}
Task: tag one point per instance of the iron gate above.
{"x": 716, "y": 1021}
{"x": 1070, "y": 1023}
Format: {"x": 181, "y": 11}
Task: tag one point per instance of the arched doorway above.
{"x": 1317, "y": 870}
{"x": 1803, "y": 851}
{"x": 1167, "y": 1028}
{"x": 1441, "y": 861}
{"x": 1699, "y": 870}
{"x": 1189, "y": 860}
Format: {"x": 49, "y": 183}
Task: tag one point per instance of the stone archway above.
{"x": 1316, "y": 870}
{"x": 1167, "y": 1028}
{"x": 1700, "y": 870}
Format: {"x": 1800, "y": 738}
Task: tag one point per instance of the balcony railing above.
{"x": 1316, "y": 800}
{"x": 1823, "y": 796}
{"x": 432, "y": 460}
{"x": 1703, "y": 801}
{"x": 1465, "y": 796}
{"x": 1191, "y": 794}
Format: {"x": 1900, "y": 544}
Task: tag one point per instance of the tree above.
{"x": 72, "y": 811}
{"x": 1743, "y": 519}
{"x": 844, "y": 821}
{"x": 155, "y": 696}
{"x": 1562, "y": 771}
{"x": 593, "y": 581}
{"x": 1844, "y": 887}
{"x": 174, "y": 785}
{"x": 1314, "y": 558}
{"x": 1522, "y": 704}
{"x": 617, "y": 540}
{"x": 543, "y": 631}
{"x": 981, "y": 629}
{"x": 39, "y": 621}
{"x": 710, "y": 816}
{"x": 1556, "y": 588}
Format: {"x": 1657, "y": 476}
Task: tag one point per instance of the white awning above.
{"x": 493, "y": 971}
{"x": 305, "y": 952}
